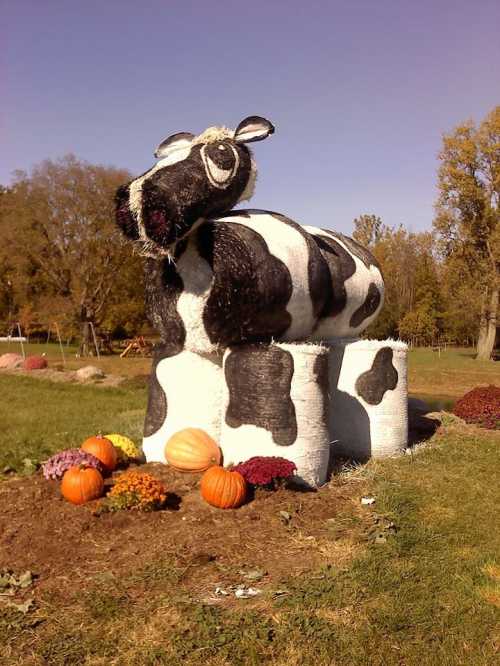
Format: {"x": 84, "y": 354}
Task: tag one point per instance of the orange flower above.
{"x": 138, "y": 490}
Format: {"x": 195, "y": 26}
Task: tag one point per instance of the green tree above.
{"x": 467, "y": 215}
{"x": 68, "y": 259}
{"x": 412, "y": 289}
{"x": 461, "y": 301}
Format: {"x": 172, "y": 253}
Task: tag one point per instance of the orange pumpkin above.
{"x": 192, "y": 450}
{"x": 103, "y": 449}
{"x": 82, "y": 484}
{"x": 223, "y": 488}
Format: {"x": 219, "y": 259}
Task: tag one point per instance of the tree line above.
{"x": 62, "y": 260}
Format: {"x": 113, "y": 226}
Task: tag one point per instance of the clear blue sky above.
{"x": 359, "y": 91}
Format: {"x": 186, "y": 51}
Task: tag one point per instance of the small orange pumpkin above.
{"x": 82, "y": 484}
{"x": 223, "y": 488}
{"x": 103, "y": 449}
{"x": 192, "y": 450}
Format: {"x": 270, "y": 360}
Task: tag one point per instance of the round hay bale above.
{"x": 368, "y": 397}
{"x": 184, "y": 392}
{"x": 275, "y": 403}
{"x": 89, "y": 372}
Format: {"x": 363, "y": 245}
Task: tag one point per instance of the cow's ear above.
{"x": 173, "y": 143}
{"x": 253, "y": 128}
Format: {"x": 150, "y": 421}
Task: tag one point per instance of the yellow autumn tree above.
{"x": 467, "y": 215}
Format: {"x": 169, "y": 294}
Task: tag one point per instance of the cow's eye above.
{"x": 221, "y": 162}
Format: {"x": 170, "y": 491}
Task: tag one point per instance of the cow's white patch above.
{"x": 197, "y": 277}
{"x": 192, "y": 384}
{"x": 288, "y": 245}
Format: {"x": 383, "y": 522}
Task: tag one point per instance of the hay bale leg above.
{"x": 275, "y": 403}
{"x": 368, "y": 411}
{"x": 184, "y": 392}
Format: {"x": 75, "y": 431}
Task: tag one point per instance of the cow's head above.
{"x": 195, "y": 178}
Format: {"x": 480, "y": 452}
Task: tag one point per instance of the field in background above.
{"x": 130, "y": 366}
{"x": 449, "y": 374}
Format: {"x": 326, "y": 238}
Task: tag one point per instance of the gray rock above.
{"x": 88, "y": 373}
{"x": 11, "y": 361}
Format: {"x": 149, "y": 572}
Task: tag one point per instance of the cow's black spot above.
{"x": 259, "y": 378}
{"x": 341, "y": 267}
{"x": 123, "y": 215}
{"x": 358, "y": 250}
{"x": 317, "y": 269}
{"x": 162, "y": 290}
{"x": 156, "y": 411}
{"x": 381, "y": 377}
{"x": 180, "y": 194}
{"x": 321, "y": 376}
{"x": 367, "y": 308}
{"x": 251, "y": 287}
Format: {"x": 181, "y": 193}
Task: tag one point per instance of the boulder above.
{"x": 10, "y": 361}
{"x": 35, "y": 363}
{"x": 88, "y": 373}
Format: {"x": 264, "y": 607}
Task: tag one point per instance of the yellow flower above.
{"x": 124, "y": 445}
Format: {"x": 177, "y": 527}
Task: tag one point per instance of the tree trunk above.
{"x": 488, "y": 328}
{"x": 85, "y": 339}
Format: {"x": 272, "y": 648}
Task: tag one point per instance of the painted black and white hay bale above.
{"x": 368, "y": 408}
{"x": 217, "y": 277}
{"x": 357, "y": 286}
{"x": 185, "y": 391}
{"x": 275, "y": 403}
{"x": 257, "y": 276}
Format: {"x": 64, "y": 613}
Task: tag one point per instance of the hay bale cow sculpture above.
{"x": 243, "y": 301}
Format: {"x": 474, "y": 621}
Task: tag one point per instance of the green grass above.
{"x": 40, "y": 417}
{"x": 449, "y": 375}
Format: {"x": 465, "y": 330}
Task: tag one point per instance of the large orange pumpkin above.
{"x": 82, "y": 484}
{"x": 103, "y": 449}
{"x": 223, "y": 488}
{"x": 192, "y": 450}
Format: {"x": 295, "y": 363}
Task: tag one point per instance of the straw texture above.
{"x": 275, "y": 403}
{"x": 368, "y": 410}
{"x": 185, "y": 392}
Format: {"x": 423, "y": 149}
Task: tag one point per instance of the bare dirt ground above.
{"x": 61, "y": 542}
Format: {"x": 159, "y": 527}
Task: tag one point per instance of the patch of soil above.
{"x": 66, "y": 544}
